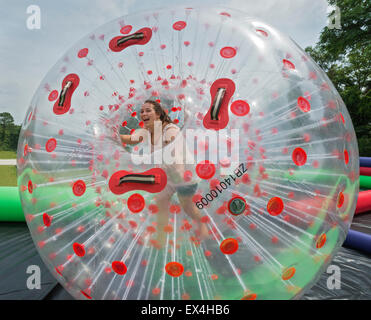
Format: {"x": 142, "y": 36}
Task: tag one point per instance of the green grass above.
{"x": 8, "y": 176}
{"x": 8, "y": 155}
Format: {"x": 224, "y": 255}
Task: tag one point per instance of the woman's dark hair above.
{"x": 160, "y": 111}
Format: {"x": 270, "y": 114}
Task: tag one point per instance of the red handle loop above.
{"x": 153, "y": 181}
{"x": 221, "y": 92}
{"x": 69, "y": 85}
{"x": 140, "y": 37}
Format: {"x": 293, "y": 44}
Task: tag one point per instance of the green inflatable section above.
{"x": 262, "y": 280}
{"x": 365, "y": 182}
{"x": 323, "y": 176}
{"x": 264, "y": 283}
{"x": 10, "y": 205}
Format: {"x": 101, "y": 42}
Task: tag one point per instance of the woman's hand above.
{"x": 128, "y": 139}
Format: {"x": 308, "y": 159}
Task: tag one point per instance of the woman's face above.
{"x": 148, "y": 115}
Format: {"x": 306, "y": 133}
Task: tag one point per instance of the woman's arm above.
{"x": 170, "y": 135}
{"x": 127, "y": 138}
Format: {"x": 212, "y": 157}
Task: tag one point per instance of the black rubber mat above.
{"x": 17, "y": 253}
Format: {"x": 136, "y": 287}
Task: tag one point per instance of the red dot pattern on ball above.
{"x": 174, "y": 269}
{"x": 153, "y": 208}
{"x": 288, "y": 64}
{"x": 250, "y": 296}
{"x": 30, "y": 186}
{"x": 229, "y": 246}
{"x": 156, "y": 291}
{"x": 346, "y": 156}
{"x": 262, "y": 32}
{"x": 136, "y": 203}
{"x": 275, "y": 206}
{"x": 303, "y": 104}
{"x": 79, "y": 249}
{"x": 50, "y": 145}
{"x": 53, "y": 95}
{"x": 179, "y": 25}
{"x": 47, "y": 220}
{"x": 228, "y": 52}
{"x": 85, "y": 295}
{"x": 288, "y": 273}
{"x": 299, "y": 156}
{"x": 119, "y": 267}
{"x": 341, "y": 199}
{"x": 59, "y": 270}
{"x": 25, "y": 150}
{"x": 83, "y": 53}
{"x": 126, "y": 29}
{"x": 240, "y": 108}
{"x": 225, "y": 14}
{"x": 342, "y": 117}
{"x": 79, "y": 188}
{"x": 321, "y": 241}
{"x": 205, "y": 169}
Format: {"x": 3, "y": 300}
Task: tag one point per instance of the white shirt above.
{"x": 174, "y": 171}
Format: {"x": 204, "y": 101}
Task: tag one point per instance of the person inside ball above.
{"x": 159, "y": 131}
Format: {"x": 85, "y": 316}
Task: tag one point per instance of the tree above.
{"x": 9, "y": 132}
{"x": 354, "y": 32}
{"x": 6, "y": 120}
{"x": 13, "y": 137}
{"x": 345, "y": 55}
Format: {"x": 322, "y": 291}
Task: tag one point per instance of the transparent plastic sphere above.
{"x": 259, "y": 208}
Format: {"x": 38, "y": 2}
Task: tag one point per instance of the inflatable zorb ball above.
{"x": 275, "y": 172}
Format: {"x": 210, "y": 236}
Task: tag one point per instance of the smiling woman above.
{"x": 158, "y": 131}
{"x": 153, "y": 117}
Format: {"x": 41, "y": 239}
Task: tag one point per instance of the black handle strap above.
{"x": 63, "y": 93}
{"x": 138, "y": 178}
{"x": 215, "y": 108}
{"x": 134, "y": 36}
